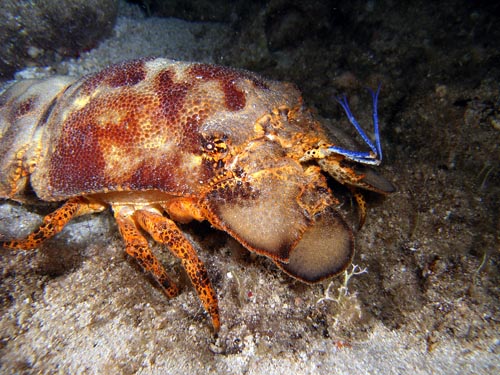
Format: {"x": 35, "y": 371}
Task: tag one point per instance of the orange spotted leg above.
{"x": 55, "y": 222}
{"x": 360, "y": 200}
{"x": 138, "y": 248}
{"x": 165, "y": 231}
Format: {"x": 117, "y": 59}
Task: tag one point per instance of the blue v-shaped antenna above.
{"x": 374, "y": 156}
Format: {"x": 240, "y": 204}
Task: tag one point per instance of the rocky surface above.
{"x": 37, "y": 33}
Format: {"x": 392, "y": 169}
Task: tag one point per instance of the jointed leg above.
{"x": 54, "y": 223}
{"x": 165, "y": 231}
{"x": 360, "y": 200}
{"x": 138, "y": 248}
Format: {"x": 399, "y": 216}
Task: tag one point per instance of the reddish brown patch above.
{"x": 128, "y": 73}
{"x": 162, "y": 175}
{"x": 127, "y": 131}
{"x": 78, "y": 164}
{"x": 183, "y": 122}
{"x": 191, "y": 139}
{"x": 171, "y": 94}
{"x": 234, "y": 98}
{"x": 24, "y": 107}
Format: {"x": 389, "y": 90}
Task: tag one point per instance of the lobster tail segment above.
{"x": 24, "y": 109}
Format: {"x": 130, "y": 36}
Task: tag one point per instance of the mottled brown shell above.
{"x": 142, "y": 125}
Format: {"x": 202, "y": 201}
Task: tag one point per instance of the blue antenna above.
{"x": 373, "y": 157}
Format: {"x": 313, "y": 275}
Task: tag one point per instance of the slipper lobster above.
{"x": 162, "y": 142}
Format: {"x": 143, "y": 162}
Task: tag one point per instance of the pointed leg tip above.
{"x": 216, "y": 328}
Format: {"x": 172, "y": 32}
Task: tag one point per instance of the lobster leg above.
{"x": 165, "y": 231}
{"x": 55, "y": 222}
{"x": 361, "y": 201}
{"x": 137, "y": 247}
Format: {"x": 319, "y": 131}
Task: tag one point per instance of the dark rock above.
{"x": 196, "y": 10}
{"x": 38, "y": 33}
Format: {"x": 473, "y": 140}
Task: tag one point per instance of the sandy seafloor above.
{"x": 428, "y": 302}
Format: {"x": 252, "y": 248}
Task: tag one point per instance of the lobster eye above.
{"x": 214, "y": 148}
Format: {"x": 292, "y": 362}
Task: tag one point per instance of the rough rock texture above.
{"x": 429, "y": 301}
{"x": 41, "y": 32}
{"x": 199, "y": 10}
